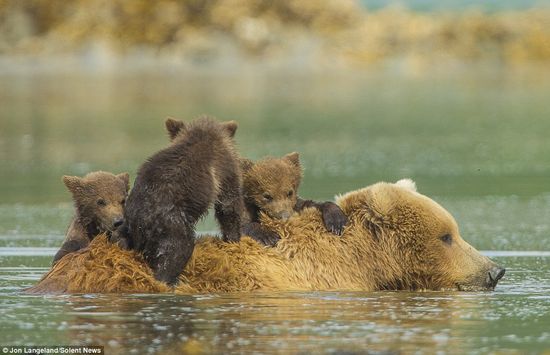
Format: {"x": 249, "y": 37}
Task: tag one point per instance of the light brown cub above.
{"x": 99, "y": 199}
{"x": 270, "y": 185}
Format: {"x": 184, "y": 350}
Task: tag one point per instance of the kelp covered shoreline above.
{"x": 319, "y": 32}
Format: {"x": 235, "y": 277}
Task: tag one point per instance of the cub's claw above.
{"x": 269, "y": 239}
{"x": 260, "y": 234}
{"x": 334, "y": 218}
{"x": 117, "y": 238}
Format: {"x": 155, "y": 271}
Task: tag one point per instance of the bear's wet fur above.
{"x": 396, "y": 239}
{"x": 174, "y": 189}
{"x": 99, "y": 199}
{"x": 270, "y": 186}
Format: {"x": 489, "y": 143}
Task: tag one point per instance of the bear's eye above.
{"x": 267, "y": 197}
{"x": 123, "y": 202}
{"x": 447, "y": 239}
{"x": 290, "y": 193}
{"x": 101, "y": 202}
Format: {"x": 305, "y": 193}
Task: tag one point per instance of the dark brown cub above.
{"x": 175, "y": 187}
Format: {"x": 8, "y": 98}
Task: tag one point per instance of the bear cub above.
{"x": 270, "y": 185}
{"x": 174, "y": 189}
{"x": 99, "y": 199}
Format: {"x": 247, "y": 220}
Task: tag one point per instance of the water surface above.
{"x": 516, "y": 318}
{"x": 476, "y": 141}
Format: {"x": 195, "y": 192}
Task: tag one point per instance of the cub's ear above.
{"x": 73, "y": 183}
{"x": 293, "y": 158}
{"x": 125, "y": 177}
{"x": 230, "y": 127}
{"x": 246, "y": 164}
{"x": 174, "y": 127}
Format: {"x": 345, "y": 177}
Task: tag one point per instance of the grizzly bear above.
{"x": 396, "y": 239}
{"x": 270, "y": 186}
{"x": 175, "y": 187}
{"x": 99, "y": 199}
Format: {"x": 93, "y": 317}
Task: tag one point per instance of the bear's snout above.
{"x": 117, "y": 222}
{"x": 494, "y": 275}
{"x": 284, "y": 215}
{"x": 280, "y": 214}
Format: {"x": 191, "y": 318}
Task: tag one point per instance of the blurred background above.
{"x": 454, "y": 94}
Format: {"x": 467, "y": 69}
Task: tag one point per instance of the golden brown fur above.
{"x": 393, "y": 241}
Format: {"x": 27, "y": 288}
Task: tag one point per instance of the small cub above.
{"x": 174, "y": 189}
{"x": 270, "y": 185}
{"x": 99, "y": 199}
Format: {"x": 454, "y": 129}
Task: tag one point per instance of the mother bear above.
{"x": 397, "y": 239}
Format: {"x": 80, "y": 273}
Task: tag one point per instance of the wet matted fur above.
{"x": 396, "y": 239}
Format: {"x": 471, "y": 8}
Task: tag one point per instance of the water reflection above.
{"x": 515, "y": 318}
{"x": 288, "y": 323}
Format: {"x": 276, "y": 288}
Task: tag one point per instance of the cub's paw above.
{"x": 269, "y": 239}
{"x": 233, "y": 238}
{"x": 117, "y": 238}
{"x": 260, "y": 234}
{"x": 334, "y": 218}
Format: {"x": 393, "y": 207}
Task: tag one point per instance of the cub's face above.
{"x": 99, "y": 198}
{"x": 271, "y": 184}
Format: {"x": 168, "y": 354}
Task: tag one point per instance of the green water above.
{"x": 475, "y": 140}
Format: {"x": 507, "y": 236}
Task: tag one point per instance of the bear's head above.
{"x": 178, "y": 130}
{"x": 99, "y": 198}
{"x": 270, "y": 185}
{"x": 416, "y": 243}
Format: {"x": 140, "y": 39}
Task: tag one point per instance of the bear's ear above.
{"x": 375, "y": 203}
{"x": 293, "y": 158}
{"x": 246, "y": 164}
{"x": 73, "y": 183}
{"x": 230, "y": 127}
{"x": 174, "y": 127}
{"x": 125, "y": 177}
{"x": 407, "y": 184}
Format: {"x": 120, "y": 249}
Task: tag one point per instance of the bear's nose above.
{"x": 284, "y": 215}
{"x": 118, "y": 222}
{"x": 496, "y": 274}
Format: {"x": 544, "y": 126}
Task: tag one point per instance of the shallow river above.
{"x": 476, "y": 141}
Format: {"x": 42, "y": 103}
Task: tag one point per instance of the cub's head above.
{"x": 271, "y": 185}
{"x": 99, "y": 198}
{"x": 418, "y": 240}
{"x": 178, "y": 130}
